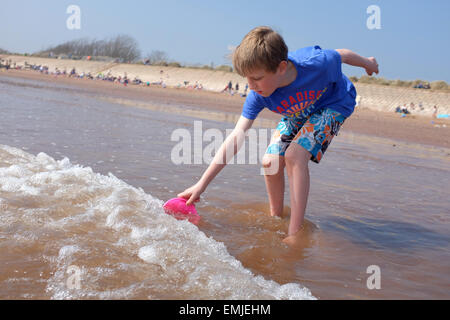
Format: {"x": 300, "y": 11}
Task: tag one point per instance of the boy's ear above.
{"x": 282, "y": 67}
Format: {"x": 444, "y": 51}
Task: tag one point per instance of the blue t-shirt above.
{"x": 320, "y": 84}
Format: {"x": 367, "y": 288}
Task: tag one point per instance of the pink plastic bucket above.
{"x": 177, "y": 208}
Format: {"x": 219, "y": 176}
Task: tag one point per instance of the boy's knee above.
{"x": 272, "y": 164}
{"x": 296, "y": 154}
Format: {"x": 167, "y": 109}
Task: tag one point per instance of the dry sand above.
{"x": 411, "y": 129}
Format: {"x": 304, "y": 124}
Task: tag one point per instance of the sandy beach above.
{"x": 411, "y": 129}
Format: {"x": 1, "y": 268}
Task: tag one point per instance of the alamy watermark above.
{"x": 74, "y": 280}
{"x": 374, "y": 20}
{"x": 374, "y": 280}
{"x": 189, "y": 148}
{"x": 73, "y": 22}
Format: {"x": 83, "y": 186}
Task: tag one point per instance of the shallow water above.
{"x": 83, "y": 178}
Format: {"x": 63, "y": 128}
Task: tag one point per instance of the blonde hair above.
{"x": 262, "y": 47}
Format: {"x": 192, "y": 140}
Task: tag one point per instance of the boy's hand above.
{"x": 371, "y": 66}
{"x": 192, "y": 194}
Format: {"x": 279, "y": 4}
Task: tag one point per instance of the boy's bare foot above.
{"x": 299, "y": 239}
{"x": 303, "y": 237}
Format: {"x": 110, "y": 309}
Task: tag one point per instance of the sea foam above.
{"x": 118, "y": 236}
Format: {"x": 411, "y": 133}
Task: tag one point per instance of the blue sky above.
{"x": 413, "y": 42}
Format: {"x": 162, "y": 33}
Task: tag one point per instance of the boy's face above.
{"x": 265, "y": 82}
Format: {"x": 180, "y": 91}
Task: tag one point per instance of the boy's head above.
{"x": 261, "y": 48}
{"x": 261, "y": 55}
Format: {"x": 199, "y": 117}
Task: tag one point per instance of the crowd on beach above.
{"x": 229, "y": 88}
{"x": 421, "y": 85}
{"x": 404, "y": 110}
{"x": 124, "y": 80}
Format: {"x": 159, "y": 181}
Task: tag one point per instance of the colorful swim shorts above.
{"x": 313, "y": 133}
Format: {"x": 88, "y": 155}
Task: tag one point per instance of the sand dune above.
{"x": 375, "y": 97}
{"x": 172, "y": 76}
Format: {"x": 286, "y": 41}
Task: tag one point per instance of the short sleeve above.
{"x": 333, "y": 65}
{"x": 252, "y": 106}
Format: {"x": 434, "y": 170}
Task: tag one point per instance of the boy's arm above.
{"x": 354, "y": 59}
{"x": 227, "y": 150}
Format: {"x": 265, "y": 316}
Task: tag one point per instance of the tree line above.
{"x": 121, "y": 47}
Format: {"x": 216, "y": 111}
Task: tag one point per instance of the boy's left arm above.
{"x": 354, "y": 59}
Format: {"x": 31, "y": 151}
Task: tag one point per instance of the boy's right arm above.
{"x": 227, "y": 150}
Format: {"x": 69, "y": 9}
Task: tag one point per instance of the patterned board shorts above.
{"x": 313, "y": 133}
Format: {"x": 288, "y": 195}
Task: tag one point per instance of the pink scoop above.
{"x": 177, "y": 207}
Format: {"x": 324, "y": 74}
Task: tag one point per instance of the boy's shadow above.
{"x": 385, "y": 234}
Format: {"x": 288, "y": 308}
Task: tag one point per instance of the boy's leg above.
{"x": 310, "y": 143}
{"x": 297, "y": 159}
{"x": 273, "y": 163}
{"x": 274, "y": 177}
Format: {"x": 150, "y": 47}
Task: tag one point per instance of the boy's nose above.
{"x": 251, "y": 84}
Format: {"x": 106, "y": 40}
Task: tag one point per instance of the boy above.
{"x": 308, "y": 88}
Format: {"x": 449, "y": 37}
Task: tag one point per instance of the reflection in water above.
{"x": 383, "y": 234}
{"x": 190, "y": 112}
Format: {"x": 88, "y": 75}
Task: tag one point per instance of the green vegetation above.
{"x": 224, "y": 68}
{"x": 174, "y": 65}
{"x": 210, "y": 67}
{"x": 440, "y": 85}
{"x": 422, "y": 84}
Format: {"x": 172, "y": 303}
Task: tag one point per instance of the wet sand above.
{"x": 411, "y": 129}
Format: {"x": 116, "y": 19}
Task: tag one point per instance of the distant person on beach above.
{"x": 358, "y": 100}
{"x": 308, "y": 89}
{"x": 405, "y": 109}
{"x": 435, "y": 111}
{"x": 228, "y": 87}
{"x": 245, "y": 91}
